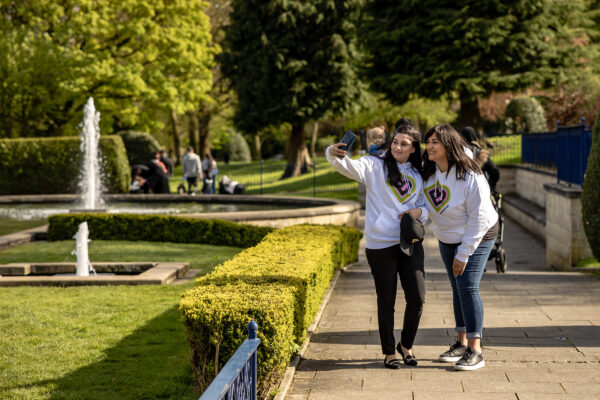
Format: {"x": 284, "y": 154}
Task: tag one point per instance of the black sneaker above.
{"x": 457, "y": 350}
{"x": 471, "y": 361}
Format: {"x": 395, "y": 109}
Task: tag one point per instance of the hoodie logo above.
{"x": 438, "y": 196}
{"x": 403, "y": 189}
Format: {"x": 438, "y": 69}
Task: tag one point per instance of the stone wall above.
{"x": 548, "y": 210}
{"x": 566, "y": 242}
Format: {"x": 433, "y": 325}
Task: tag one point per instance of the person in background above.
{"x": 210, "y": 171}
{"x": 394, "y": 193}
{"x": 465, "y": 223}
{"x": 482, "y": 156}
{"x": 377, "y": 137}
{"x": 166, "y": 160}
{"x": 157, "y": 179}
{"x": 192, "y": 170}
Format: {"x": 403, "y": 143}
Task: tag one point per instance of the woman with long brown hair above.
{"x": 465, "y": 224}
{"x": 395, "y": 201}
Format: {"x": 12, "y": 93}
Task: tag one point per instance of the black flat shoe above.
{"x": 392, "y": 364}
{"x": 409, "y": 360}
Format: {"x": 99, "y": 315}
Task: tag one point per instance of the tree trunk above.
{"x": 313, "y": 140}
{"x": 204, "y": 116}
{"x": 469, "y": 112}
{"x": 257, "y": 148}
{"x": 294, "y": 154}
{"x": 175, "y": 133}
{"x": 193, "y": 129}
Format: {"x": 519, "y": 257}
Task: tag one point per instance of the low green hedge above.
{"x": 157, "y": 228}
{"x": 302, "y": 258}
{"x": 52, "y": 165}
{"x": 216, "y": 318}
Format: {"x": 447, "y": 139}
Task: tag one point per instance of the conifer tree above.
{"x": 289, "y": 61}
{"x": 470, "y": 47}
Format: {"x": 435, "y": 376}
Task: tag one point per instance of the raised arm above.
{"x": 353, "y": 169}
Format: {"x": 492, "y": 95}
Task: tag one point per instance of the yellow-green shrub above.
{"x": 302, "y": 256}
{"x": 279, "y": 283}
{"x": 216, "y": 318}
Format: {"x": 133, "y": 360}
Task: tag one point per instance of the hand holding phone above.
{"x": 348, "y": 139}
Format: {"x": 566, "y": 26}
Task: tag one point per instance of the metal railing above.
{"x": 567, "y": 150}
{"x": 237, "y": 379}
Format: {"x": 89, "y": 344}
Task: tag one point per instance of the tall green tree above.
{"x": 290, "y": 61}
{"x": 470, "y": 48}
{"x": 135, "y": 57}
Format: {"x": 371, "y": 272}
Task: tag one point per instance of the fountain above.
{"x": 84, "y": 267}
{"x": 90, "y": 184}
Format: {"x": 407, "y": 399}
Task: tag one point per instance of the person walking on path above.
{"x": 489, "y": 169}
{"x": 192, "y": 169}
{"x": 394, "y": 194}
{"x": 465, "y": 224}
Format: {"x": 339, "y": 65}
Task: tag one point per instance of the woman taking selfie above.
{"x": 465, "y": 224}
{"x": 394, "y": 193}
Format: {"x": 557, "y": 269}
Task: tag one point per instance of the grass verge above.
{"x": 8, "y": 226}
{"x": 200, "y": 256}
{"x": 98, "y": 342}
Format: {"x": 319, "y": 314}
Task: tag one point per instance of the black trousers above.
{"x": 386, "y": 264}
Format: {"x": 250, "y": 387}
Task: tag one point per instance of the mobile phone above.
{"x": 348, "y": 139}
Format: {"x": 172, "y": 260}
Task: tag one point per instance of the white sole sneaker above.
{"x": 449, "y": 359}
{"x": 480, "y": 364}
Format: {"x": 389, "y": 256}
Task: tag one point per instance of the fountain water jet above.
{"x": 90, "y": 184}
{"x": 81, "y": 250}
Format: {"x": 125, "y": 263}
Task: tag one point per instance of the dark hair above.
{"x": 469, "y": 134}
{"x": 389, "y": 161}
{"x": 455, "y": 152}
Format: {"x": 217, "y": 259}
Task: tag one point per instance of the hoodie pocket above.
{"x": 386, "y": 227}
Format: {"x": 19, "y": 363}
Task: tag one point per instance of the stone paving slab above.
{"x": 541, "y": 336}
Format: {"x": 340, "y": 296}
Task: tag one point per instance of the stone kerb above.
{"x": 566, "y": 242}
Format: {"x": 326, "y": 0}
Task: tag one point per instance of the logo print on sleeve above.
{"x": 438, "y": 196}
{"x": 404, "y": 188}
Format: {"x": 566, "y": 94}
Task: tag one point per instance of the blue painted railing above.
{"x": 237, "y": 379}
{"x": 567, "y": 150}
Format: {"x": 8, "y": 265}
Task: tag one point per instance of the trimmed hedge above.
{"x": 590, "y": 196}
{"x": 52, "y": 165}
{"x": 216, "y": 318}
{"x": 139, "y": 146}
{"x": 527, "y": 114}
{"x": 302, "y": 258}
{"x": 157, "y": 228}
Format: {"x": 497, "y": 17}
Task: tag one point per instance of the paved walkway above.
{"x": 541, "y": 336}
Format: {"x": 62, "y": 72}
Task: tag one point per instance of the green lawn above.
{"x": 507, "y": 149}
{"x": 98, "y": 342}
{"x": 8, "y": 226}
{"x": 327, "y": 182}
{"x": 200, "y": 256}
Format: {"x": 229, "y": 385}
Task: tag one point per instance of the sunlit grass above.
{"x": 8, "y": 226}
{"x": 98, "y": 342}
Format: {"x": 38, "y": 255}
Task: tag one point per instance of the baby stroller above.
{"x": 498, "y": 253}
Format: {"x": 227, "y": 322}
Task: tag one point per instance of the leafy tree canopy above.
{"x": 134, "y": 57}
{"x": 290, "y": 60}
{"x": 470, "y": 47}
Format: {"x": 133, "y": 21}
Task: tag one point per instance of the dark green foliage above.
{"x": 433, "y": 47}
{"x": 525, "y": 114}
{"x": 139, "y": 146}
{"x": 52, "y": 165}
{"x": 290, "y": 60}
{"x": 157, "y": 228}
{"x": 237, "y": 147}
{"x": 590, "y": 198}
{"x": 279, "y": 283}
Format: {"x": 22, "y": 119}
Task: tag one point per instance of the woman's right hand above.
{"x": 335, "y": 150}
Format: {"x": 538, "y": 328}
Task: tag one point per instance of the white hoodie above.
{"x": 460, "y": 211}
{"x": 384, "y": 202}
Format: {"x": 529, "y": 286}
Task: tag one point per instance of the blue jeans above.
{"x": 466, "y": 301}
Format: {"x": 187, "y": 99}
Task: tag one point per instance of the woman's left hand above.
{"x": 414, "y": 212}
{"x": 458, "y": 267}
